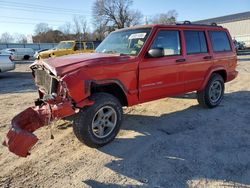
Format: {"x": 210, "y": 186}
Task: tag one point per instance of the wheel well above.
{"x": 113, "y": 89}
{"x": 223, "y": 73}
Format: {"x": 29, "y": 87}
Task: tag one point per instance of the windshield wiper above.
{"x": 111, "y": 52}
{"x": 115, "y": 52}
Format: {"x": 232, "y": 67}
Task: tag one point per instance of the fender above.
{"x": 131, "y": 95}
{"x": 209, "y": 73}
{"x": 111, "y": 81}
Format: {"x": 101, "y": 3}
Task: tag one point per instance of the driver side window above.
{"x": 169, "y": 41}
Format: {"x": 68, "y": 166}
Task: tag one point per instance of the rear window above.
{"x": 220, "y": 41}
{"x": 195, "y": 42}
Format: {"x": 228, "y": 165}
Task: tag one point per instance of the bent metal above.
{"x": 131, "y": 66}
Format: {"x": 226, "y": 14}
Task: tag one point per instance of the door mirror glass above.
{"x": 156, "y": 52}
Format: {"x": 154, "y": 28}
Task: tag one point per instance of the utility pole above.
{"x": 146, "y": 20}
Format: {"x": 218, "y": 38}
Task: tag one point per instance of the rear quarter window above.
{"x": 220, "y": 41}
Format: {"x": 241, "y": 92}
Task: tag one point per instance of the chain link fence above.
{"x": 34, "y": 46}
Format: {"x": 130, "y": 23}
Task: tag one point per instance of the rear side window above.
{"x": 79, "y": 46}
{"x": 169, "y": 41}
{"x": 220, "y": 41}
{"x": 195, "y": 42}
{"x": 89, "y": 46}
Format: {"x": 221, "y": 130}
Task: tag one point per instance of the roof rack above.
{"x": 187, "y": 22}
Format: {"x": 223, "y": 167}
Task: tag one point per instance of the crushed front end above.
{"x": 54, "y": 103}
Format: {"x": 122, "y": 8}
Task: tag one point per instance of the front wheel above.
{"x": 213, "y": 93}
{"x": 99, "y": 124}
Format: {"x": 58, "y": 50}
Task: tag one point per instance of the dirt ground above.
{"x": 166, "y": 143}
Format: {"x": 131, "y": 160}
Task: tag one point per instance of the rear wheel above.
{"x": 99, "y": 124}
{"x": 213, "y": 93}
{"x": 26, "y": 57}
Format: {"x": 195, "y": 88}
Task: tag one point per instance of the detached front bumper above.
{"x": 20, "y": 138}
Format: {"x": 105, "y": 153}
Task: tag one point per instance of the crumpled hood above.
{"x": 65, "y": 64}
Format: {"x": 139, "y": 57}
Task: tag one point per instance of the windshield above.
{"x": 65, "y": 45}
{"x": 127, "y": 42}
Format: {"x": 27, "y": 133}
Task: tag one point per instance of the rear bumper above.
{"x": 20, "y": 138}
{"x": 232, "y": 75}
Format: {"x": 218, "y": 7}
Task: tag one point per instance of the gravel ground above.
{"x": 171, "y": 142}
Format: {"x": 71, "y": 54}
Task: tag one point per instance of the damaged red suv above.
{"x": 131, "y": 66}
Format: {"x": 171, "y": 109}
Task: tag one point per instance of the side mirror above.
{"x": 156, "y": 52}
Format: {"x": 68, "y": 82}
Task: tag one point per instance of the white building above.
{"x": 237, "y": 24}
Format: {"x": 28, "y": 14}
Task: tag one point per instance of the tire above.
{"x": 26, "y": 57}
{"x": 91, "y": 129}
{"x": 213, "y": 93}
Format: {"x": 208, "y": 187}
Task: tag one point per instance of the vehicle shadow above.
{"x": 184, "y": 147}
{"x": 191, "y": 95}
{"x": 16, "y": 82}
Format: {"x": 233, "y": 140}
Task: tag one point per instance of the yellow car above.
{"x": 67, "y": 47}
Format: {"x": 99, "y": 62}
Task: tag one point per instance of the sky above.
{"x": 22, "y": 16}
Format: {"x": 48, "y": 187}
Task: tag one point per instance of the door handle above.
{"x": 180, "y": 60}
{"x": 207, "y": 57}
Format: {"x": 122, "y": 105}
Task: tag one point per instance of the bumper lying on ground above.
{"x": 20, "y": 138}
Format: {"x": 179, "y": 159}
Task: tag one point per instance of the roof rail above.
{"x": 186, "y": 22}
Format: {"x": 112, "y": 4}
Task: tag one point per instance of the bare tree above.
{"x": 80, "y": 27}
{"x": 41, "y": 28}
{"x": 115, "y": 13}
{"x": 20, "y": 38}
{"x": 6, "y": 38}
{"x": 165, "y": 18}
{"x": 66, "y": 28}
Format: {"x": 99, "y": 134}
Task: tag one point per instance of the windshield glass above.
{"x": 65, "y": 45}
{"x": 127, "y": 42}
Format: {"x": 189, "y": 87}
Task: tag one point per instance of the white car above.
{"x": 6, "y": 64}
{"x": 19, "y": 53}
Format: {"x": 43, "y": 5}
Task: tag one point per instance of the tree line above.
{"x": 107, "y": 16}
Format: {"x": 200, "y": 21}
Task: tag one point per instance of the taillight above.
{"x": 11, "y": 58}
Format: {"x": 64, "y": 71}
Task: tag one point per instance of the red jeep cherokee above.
{"x": 131, "y": 66}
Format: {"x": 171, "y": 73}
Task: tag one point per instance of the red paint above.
{"x": 20, "y": 139}
{"x": 141, "y": 78}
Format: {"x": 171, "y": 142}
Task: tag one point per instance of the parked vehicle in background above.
{"x": 131, "y": 66}
{"x": 239, "y": 45}
{"x": 68, "y": 47}
{"x": 38, "y": 51}
{"x": 19, "y": 53}
{"x": 6, "y": 63}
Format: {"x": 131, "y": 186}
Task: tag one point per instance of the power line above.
{"x": 28, "y": 5}
{"x": 26, "y": 18}
{"x": 40, "y": 11}
{"x": 25, "y": 23}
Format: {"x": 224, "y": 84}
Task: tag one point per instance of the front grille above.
{"x": 45, "y": 81}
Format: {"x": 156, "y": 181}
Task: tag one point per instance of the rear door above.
{"x": 198, "y": 58}
{"x": 161, "y": 77}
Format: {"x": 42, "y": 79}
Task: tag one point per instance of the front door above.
{"x": 161, "y": 77}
